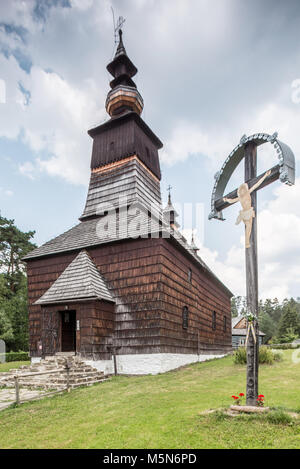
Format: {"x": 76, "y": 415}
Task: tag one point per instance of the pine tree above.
{"x": 289, "y": 321}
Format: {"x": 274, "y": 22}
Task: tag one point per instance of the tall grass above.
{"x": 266, "y": 356}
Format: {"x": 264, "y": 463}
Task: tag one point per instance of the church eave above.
{"x": 114, "y": 122}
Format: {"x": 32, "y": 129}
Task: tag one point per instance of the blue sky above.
{"x": 209, "y": 72}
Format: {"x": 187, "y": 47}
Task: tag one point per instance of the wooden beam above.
{"x": 221, "y": 205}
{"x": 252, "y": 282}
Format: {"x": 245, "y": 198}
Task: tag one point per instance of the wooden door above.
{"x": 68, "y": 331}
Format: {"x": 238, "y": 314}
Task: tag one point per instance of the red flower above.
{"x": 235, "y": 397}
{"x": 261, "y": 395}
{"x": 241, "y": 394}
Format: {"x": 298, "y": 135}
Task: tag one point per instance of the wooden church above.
{"x": 123, "y": 286}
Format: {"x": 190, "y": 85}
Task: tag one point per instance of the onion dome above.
{"x": 124, "y": 95}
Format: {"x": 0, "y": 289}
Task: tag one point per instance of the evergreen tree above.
{"x": 289, "y": 321}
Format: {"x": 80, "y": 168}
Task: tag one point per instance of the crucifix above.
{"x": 246, "y": 194}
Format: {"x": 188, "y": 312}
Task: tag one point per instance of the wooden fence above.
{"x": 18, "y": 383}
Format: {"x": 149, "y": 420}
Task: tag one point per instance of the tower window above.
{"x": 190, "y": 275}
{"x": 111, "y": 146}
{"x": 185, "y": 317}
{"x": 148, "y": 153}
{"x": 214, "y": 321}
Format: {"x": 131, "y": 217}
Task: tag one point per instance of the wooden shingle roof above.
{"x": 81, "y": 280}
{"x": 89, "y": 233}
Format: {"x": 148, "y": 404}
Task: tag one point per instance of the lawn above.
{"x": 160, "y": 411}
{"x": 11, "y": 365}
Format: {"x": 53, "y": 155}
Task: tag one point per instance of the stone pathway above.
{"x": 8, "y": 396}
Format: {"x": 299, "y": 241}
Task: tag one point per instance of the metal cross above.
{"x": 117, "y": 27}
{"x": 285, "y": 171}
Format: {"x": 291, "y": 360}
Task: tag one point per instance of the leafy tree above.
{"x": 14, "y": 245}
{"x": 6, "y": 330}
{"x": 238, "y": 305}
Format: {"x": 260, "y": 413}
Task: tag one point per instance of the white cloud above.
{"x": 28, "y": 169}
{"x": 82, "y": 4}
{"x": 189, "y": 139}
{"x": 278, "y": 249}
{"x": 6, "y": 192}
{"x": 55, "y": 122}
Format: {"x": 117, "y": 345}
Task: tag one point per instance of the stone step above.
{"x": 80, "y": 374}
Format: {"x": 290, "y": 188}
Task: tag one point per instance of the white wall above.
{"x": 153, "y": 363}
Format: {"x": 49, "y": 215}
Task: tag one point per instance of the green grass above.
{"x": 11, "y": 365}
{"x": 161, "y": 411}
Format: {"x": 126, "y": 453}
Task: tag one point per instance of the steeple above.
{"x": 194, "y": 247}
{"x": 124, "y": 95}
{"x": 170, "y": 213}
{"x": 125, "y": 165}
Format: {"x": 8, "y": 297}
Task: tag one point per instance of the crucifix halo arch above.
{"x": 284, "y": 170}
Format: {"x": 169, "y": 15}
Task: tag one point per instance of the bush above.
{"x": 266, "y": 356}
{"x": 278, "y": 355}
{"x": 240, "y": 356}
{"x": 15, "y": 356}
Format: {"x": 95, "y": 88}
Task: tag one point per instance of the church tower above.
{"x": 125, "y": 150}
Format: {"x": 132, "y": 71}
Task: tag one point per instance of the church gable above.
{"x": 80, "y": 280}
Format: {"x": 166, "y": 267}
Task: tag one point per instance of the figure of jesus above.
{"x": 247, "y": 214}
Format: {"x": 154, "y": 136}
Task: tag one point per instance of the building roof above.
{"x": 80, "y": 280}
{"x": 241, "y": 331}
{"x": 89, "y": 234}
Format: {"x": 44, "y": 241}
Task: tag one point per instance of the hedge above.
{"x": 14, "y": 357}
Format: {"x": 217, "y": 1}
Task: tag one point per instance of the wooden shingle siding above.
{"x": 202, "y": 296}
{"x": 130, "y": 180}
{"x": 149, "y": 282}
{"x": 131, "y": 136}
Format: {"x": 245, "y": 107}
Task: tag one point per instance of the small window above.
{"x": 148, "y": 153}
{"x": 214, "y": 321}
{"x": 225, "y": 324}
{"x": 190, "y": 275}
{"x": 185, "y": 317}
{"x": 112, "y": 147}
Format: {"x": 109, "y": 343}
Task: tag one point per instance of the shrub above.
{"x": 266, "y": 356}
{"x": 278, "y": 355}
{"x": 15, "y": 356}
{"x": 240, "y": 356}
